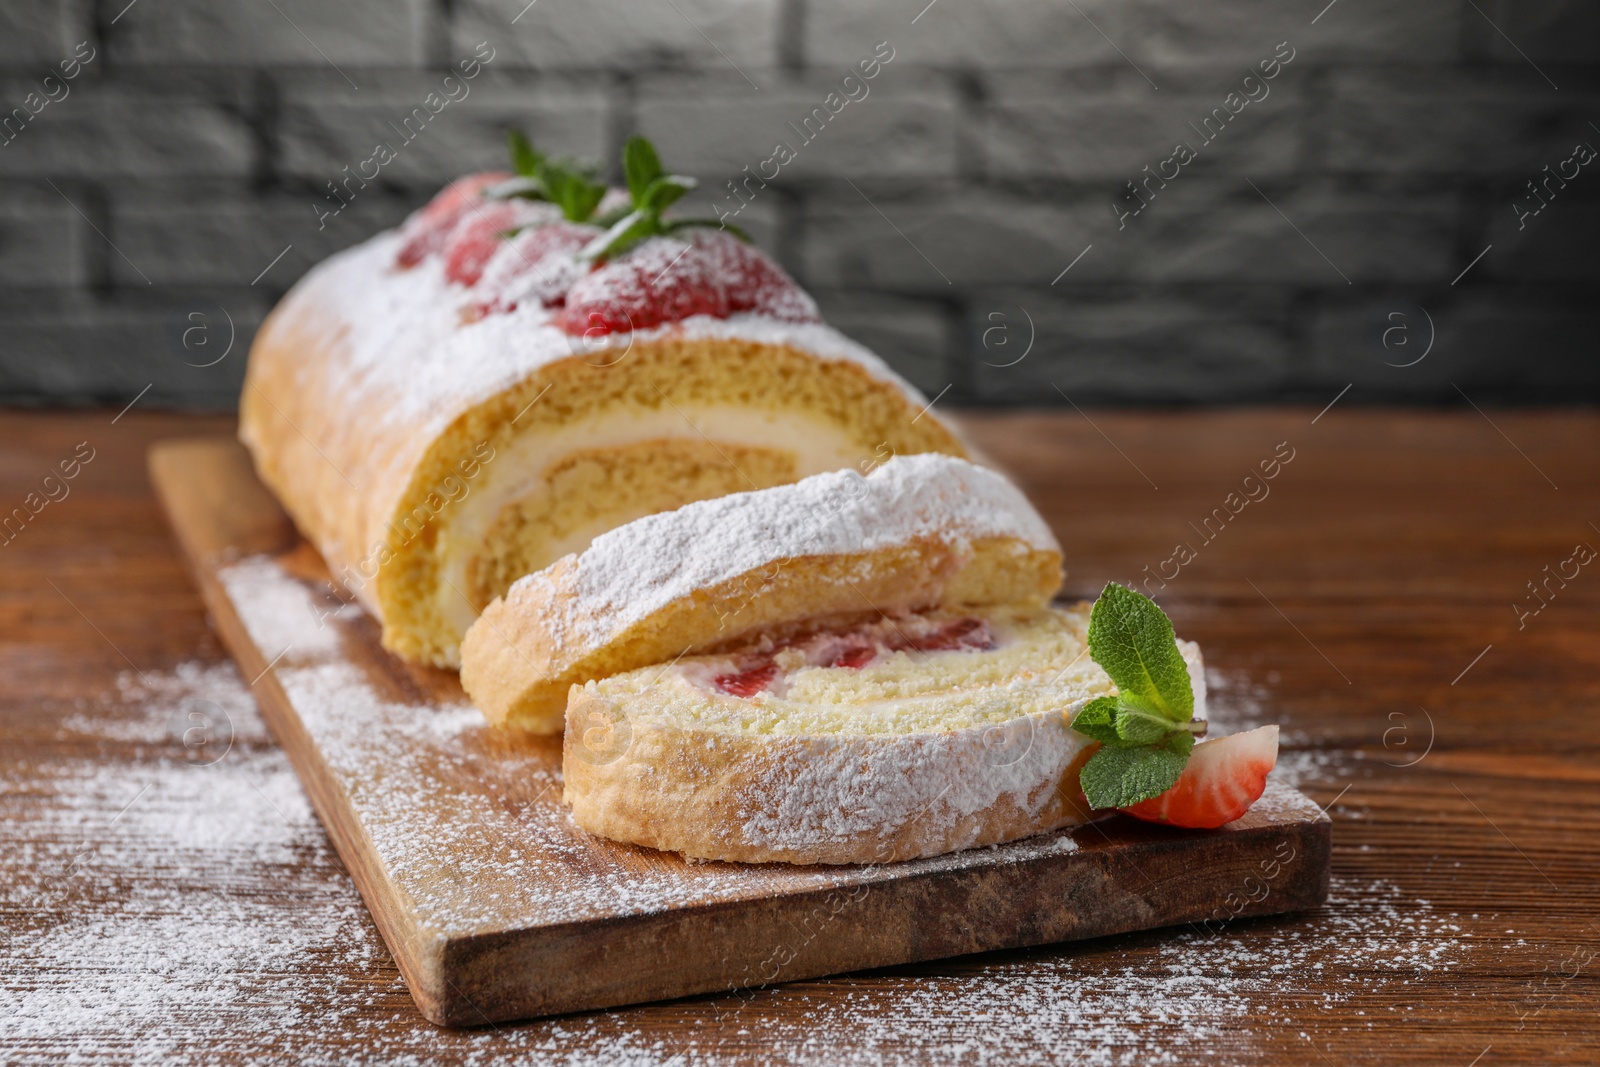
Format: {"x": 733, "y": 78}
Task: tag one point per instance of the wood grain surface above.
{"x": 159, "y": 908}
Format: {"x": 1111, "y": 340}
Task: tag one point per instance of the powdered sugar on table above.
{"x": 240, "y": 936}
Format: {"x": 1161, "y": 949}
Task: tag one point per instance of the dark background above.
{"x": 140, "y": 212}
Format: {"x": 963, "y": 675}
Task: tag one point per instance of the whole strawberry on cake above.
{"x": 534, "y": 358}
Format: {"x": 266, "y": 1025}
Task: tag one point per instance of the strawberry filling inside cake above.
{"x": 854, "y": 649}
{"x": 899, "y": 673}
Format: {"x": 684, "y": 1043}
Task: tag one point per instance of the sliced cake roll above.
{"x": 916, "y": 532}
{"x": 912, "y": 735}
{"x": 455, "y": 404}
{"x": 850, "y": 669}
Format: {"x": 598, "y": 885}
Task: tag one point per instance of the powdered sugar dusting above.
{"x": 538, "y": 265}
{"x": 287, "y": 616}
{"x": 1174, "y": 998}
{"x": 411, "y": 360}
{"x": 848, "y": 790}
{"x": 137, "y": 903}
{"x": 635, "y": 570}
{"x": 159, "y": 911}
{"x": 174, "y": 914}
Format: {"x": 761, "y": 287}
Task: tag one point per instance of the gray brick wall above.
{"x": 154, "y": 204}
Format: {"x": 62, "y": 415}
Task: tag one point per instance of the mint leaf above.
{"x": 524, "y": 160}
{"x": 1117, "y": 777}
{"x": 579, "y": 200}
{"x": 665, "y": 191}
{"x": 627, "y": 231}
{"x": 1144, "y": 730}
{"x": 1138, "y": 725}
{"x": 640, "y": 166}
{"x": 1132, "y": 641}
{"x": 1115, "y": 721}
{"x": 652, "y": 191}
{"x": 567, "y": 184}
{"x": 571, "y": 189}
{"x": 1098, "y": 720}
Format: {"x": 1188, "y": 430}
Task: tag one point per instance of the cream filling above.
{"x": 521, "y": 470}
{"x": 1038, "y": 665}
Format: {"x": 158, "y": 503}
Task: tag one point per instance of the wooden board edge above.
{"x": 707, "y": 956}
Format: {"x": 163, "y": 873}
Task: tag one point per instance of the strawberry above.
{"x": 966, "y": 635}
{"x": 659, "y": 280}
{"x": 748, "y": 682}
{"x": 476, "y": 237}
{"x": 425, "y": 231}
{"x": 856, "y": 649}
{"x": 538, "y": 266}
{"x": 854, "y": 656}
{"x": 757, "y": 283}
{"x": 1221, "y": 780}
{"x": 665, "y": 279}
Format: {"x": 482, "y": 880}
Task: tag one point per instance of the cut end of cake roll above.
{"x": 915, "y": 533}
{"x": 908, "y": 736}
{"x": 445, "y": 409}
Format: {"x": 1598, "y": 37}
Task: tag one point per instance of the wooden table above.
{"x": 165, "y": 897}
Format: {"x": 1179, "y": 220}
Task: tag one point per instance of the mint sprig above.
{"x": 652, "y": 191}
{"x": 1117, "y": 777}
{"x": 1146, "y": 730}
{"x": 568, "y": 185}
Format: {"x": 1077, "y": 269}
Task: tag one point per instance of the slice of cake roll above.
{"x": 850, "y": 669}
{"x": 468, "y": 399}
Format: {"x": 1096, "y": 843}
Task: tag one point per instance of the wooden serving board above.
{"x": 496, "y": 906}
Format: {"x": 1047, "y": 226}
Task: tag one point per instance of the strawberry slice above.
{"x": 426, "y": 230}
{"x": 748, "y": 682}
{"x": 1223, "y": 778}
{"x": 857, "y": 649}
{"x": 854, "y": 656}
{"x": 967, "y": 635}
{"x": 664, "y": 279}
